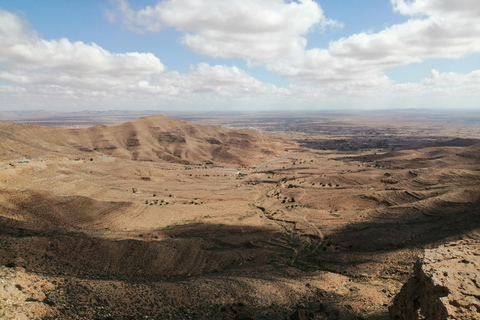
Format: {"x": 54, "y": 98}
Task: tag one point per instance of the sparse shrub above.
{"x": 48, "y": 302}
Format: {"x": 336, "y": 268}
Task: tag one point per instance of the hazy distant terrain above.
{"x": 106, "y": 219}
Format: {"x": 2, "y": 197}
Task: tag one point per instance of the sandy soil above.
{"x": 261, "y": 233}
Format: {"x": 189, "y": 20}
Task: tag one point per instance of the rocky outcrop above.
{"x": 446, "y": 285}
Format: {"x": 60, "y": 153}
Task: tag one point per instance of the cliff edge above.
{"x": 445, "y": 285}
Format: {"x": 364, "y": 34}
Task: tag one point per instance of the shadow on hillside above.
{"x": 292, "y": 169}
{"x": 359, "y": 143}
{"x": 42, "y": 210}
{"x": 182, "y": 254}
{"x": 190, "y": 249}
{"x": 392, "y": 230}
{"x": 438, "y": 157}
{"x": 202, "y": 248}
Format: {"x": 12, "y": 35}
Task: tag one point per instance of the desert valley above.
{"x": 234, "y": 216}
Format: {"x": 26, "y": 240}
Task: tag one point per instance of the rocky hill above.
{"x": 446, "y": 285}
{"x": 162, "y": 219}
{"x": 146, "y": 139}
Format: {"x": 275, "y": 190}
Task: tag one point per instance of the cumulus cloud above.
{"x": 255, "y": 30}
{"x": 439, "y": 90}
{"x": 33, "y": 66}
{"x": 204, "y": 78}
{"x": 33, "y": 69}
{"x": 23, "y": 48}
{"x": 466, "y": 84}
{"x": 273, "y": 33}
{"x": 226, "y": 80}
{"x": 460, "y": 8}
{"x": 436, "y": 29}
{"x": 441, "y": 36}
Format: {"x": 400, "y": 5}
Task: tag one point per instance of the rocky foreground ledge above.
{"x": 446, "y": 285}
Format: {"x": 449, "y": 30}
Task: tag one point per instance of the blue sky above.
{"x": 194, "y": 55}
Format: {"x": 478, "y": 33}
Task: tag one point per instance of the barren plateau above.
{"x": 316, "y": 216}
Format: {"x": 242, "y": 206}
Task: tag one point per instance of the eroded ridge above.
{"x": 446, "y": 284}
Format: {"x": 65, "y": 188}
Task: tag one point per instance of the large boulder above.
{"x": 445, "y": 285}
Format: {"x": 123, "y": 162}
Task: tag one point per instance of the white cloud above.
{"x": 412, "y": 41}
{"x": 439, "y": 90}
{"x": 204, "y": 78}
{"x": 218, "y": 78}
{"x": 350, "y": 72}
{"x": 273, "y": 33}
{"x": 23, "y": 48}
{"x": 437, "y": 29}
{"x": 459, "y": 8}
{"x": 454, "y": 82}
{"x": 11, "y": 89}
{"x": 37, "y": 68}
{"x": 255, "y": 30}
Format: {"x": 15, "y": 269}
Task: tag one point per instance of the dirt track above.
{"x": 335, "y": 231}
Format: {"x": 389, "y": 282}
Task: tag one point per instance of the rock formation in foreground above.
{"x": 446, "y": 285}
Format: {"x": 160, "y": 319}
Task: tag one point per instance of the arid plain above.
{"x": 228, "y": 216}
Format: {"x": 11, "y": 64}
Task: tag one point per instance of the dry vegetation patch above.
{"x": 171, "y": 220}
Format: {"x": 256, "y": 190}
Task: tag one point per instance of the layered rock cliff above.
{"x": 446, "y": 285}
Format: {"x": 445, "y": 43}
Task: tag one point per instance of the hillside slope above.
{"x": 88, "y": 231}
{"x": 146, "y": 139}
